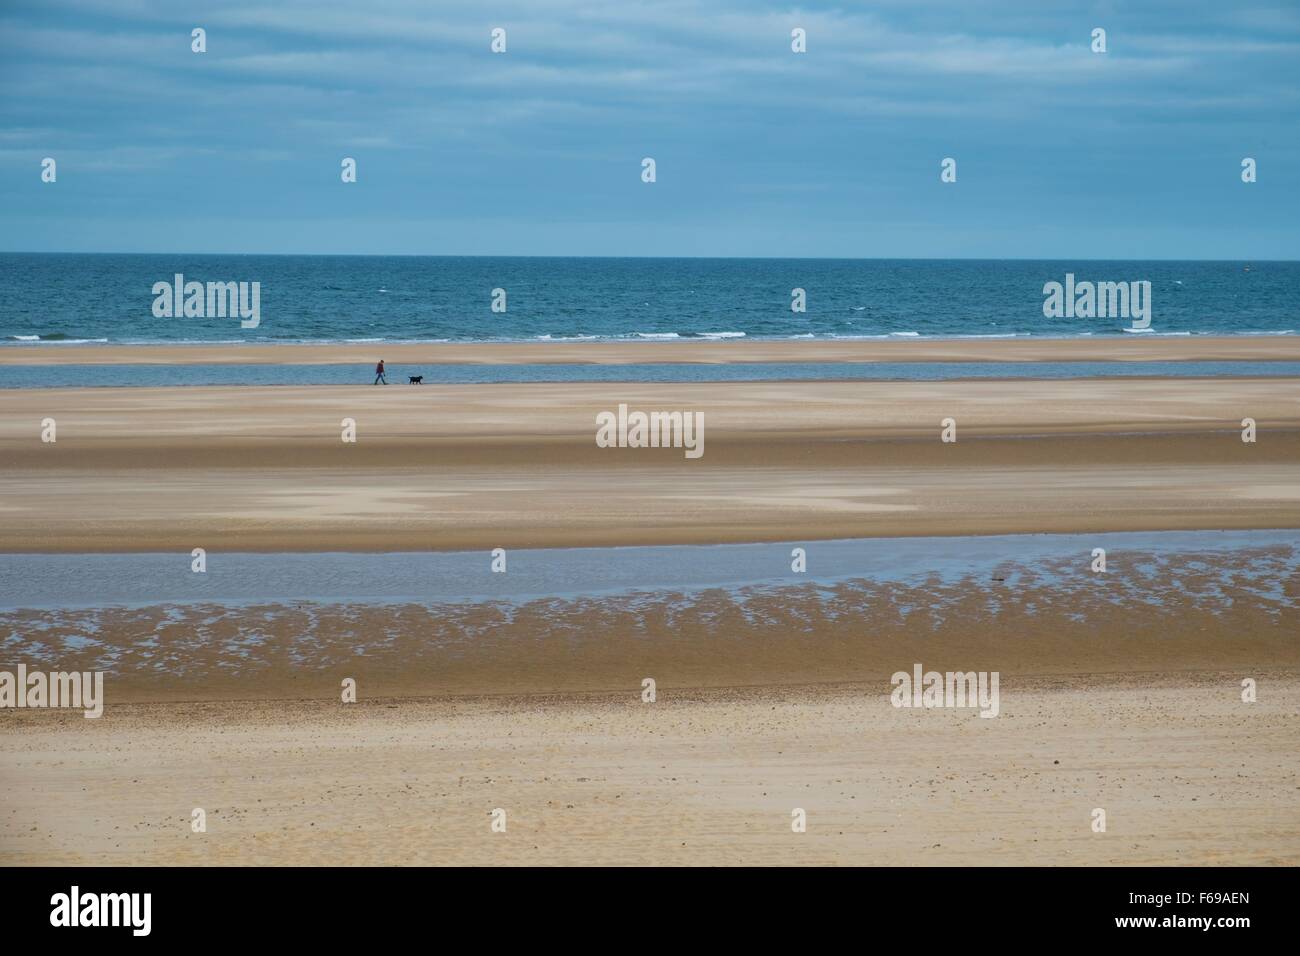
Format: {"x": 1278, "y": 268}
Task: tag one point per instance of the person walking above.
{"x": 379, "y": 373}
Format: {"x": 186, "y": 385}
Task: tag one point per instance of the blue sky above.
{"x": 1061, "y": 152}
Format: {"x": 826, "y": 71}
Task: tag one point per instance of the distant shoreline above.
{"x": 1134, "y": 348}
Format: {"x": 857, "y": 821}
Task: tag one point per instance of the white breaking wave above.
{"x": 872, "y": 338}
{"x": 74, "y": 342}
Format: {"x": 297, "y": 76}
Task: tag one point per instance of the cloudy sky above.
{"x": 1061, "y": 152}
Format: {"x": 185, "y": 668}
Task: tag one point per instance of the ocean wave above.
{"x": 37, "y": 341}
{"x": 58, "y": 338}
{"x": 180, "y": 341}
{"x": 868, "y": 337}
{"x": 877, "y": 337}
{"x": 51, "y": 337}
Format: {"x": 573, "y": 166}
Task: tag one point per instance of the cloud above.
{"x": 709, "y": 87}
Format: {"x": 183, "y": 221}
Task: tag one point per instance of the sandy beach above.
{"x": 484, "y": 466}
{"x": 696, "y": 778}
{"x": 1125, "y": 700}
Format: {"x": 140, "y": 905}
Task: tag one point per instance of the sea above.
{"x": 57, "y": 299}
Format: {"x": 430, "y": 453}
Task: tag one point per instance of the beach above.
{"x": 773, "y": 687}
{"x": 440, "y": 467}
{"x": 697, "y": 778}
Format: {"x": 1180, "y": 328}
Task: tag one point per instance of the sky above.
{"x": 1061, "y": 152}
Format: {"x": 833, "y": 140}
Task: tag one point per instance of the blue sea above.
{"x": 48, "y": 299}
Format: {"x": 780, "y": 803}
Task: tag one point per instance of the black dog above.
{"x": 416, "y": 380}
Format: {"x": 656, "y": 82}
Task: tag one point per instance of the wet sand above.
{"x": 1126, "y": 348}
{"x": 1181, "y": 613}
{"x": 485, "y": 466}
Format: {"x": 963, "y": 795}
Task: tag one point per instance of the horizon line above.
{"x": 425, "y": 255}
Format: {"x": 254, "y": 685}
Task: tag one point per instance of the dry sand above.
{"x": 1130, "y": 348}
{"x": 1186, "y": 772}
{"x": 484, "y": 466}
